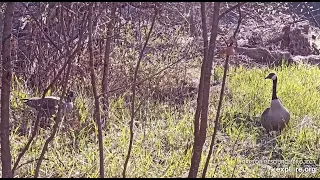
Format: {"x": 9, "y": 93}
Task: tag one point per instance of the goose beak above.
{"x": 271, "y": 76}
{"x": 268, "y": 77}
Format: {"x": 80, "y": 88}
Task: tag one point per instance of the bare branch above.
{"x": 149, "y": 77}
{"x": 314, "y": 19}
{"x": 34, "y": 132}
{"x": 38, "y": 24}
{"x": 30, "y": 161}
{"x": 134, "y": 92}
{"x": 59, "y": 117}
{"x": 95, "y": 94}
{"x": 142, "y": 6}
{"x": 205, "y": 54}
{"x": 216, "y": 122}
{"x": 231, "y": 9}
{"x": 106, "y": 64}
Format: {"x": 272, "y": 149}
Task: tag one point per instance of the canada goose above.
{"x": 277, "y": 116}
{"x": 49, "y": 104}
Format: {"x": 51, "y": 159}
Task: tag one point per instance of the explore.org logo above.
{"x": 287, "y": 163}
{"x": 312, "y": 170}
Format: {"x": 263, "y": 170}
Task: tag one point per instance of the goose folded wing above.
{"x": 50, "y": 102}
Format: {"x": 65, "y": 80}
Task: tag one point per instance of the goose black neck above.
{"x": 274, "y": 90}
{"x": 68, "y": 99}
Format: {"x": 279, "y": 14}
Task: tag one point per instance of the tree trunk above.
{"x": 97, "y": 115}
{"x": 5, "y": 91}
{"x": 204, "y": 88}
{"x": 105, "y": 82}
{"x": 192, "y": 23}
{"x": 108, "y": 49}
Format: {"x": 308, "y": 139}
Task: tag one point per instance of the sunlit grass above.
{"x": 162, "y": 136}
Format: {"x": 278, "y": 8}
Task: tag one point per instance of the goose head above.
{"x": 68, "y": 106}
{"x": 272, "y": 76}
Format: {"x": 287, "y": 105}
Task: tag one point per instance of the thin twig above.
{"x": 148, "y": 78}
{"x": 38, "y": 24}
{"x": 221, "y": 96}
{"x": 314, "y": 19}
{"x": 34, "y": 132}
{"x": 141, "y": 6}
{"x": 106, "y": 64}
{"x": 97, "y": 115}
{"x": 58, "y": 118}
{"x": 134, "y": 91}
{"x": 30, "y": 161}
{"x": 231, "y": 9}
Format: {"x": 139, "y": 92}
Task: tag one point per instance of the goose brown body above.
{"x": 49, "y": 104}
{"x": 277, "y": 116}
{"x": 275, "y": 119}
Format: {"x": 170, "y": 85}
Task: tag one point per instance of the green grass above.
{"x": 162, "y": 138}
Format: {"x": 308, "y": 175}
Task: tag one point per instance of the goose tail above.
{"x": 25, "y": 100}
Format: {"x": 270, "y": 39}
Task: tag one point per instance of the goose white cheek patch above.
{"x": 274, "y": 77}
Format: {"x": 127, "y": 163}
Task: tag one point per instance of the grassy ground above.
{"x": 163, "y": 136}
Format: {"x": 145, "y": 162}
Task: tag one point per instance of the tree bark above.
{"x": 5, "y": 91}
{"x": 97, "y": 115}
{"x": 203, "y": 95}
{"x": 106, "y": 68}
{"x": 216, "y": 122}
{"x": 108, "y": 49}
